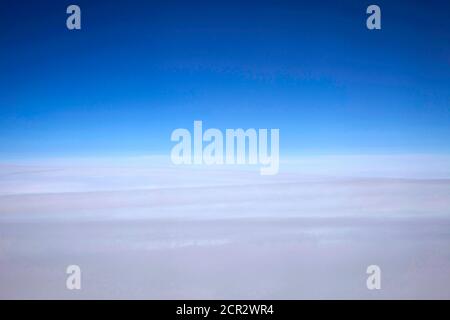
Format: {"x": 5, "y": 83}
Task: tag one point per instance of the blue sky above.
{"x": 139, "y": 69}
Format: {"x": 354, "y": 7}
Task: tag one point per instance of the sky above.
{"x": 137, "y": 70}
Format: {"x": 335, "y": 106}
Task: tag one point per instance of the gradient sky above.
{"x": 139, "y": 69}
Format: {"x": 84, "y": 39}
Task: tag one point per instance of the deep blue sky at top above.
{"x": 139, "y": 69}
